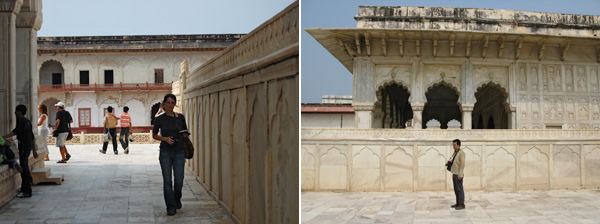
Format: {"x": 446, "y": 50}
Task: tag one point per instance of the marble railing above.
{"x": 413, "y": 160}
{"x": 242, "y": 110}
{"x": 138, "y": 138}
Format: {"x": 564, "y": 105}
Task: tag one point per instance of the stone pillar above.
{"x": 363, "y": 92}
{"x": 467, "y": 116}
{"x": 512, "y": 117}
{"x": 28, "y": 23}
{"x": 8, "y": 15}
{"x": 363, "y": 115}
{"x": 418, "y": 115}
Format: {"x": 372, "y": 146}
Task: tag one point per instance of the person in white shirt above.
{"x": 42, "y": 126}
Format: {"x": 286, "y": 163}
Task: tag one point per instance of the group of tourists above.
{"x": 170, "y": 129}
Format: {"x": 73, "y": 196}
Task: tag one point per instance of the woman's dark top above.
{"x": 170, "y": 127}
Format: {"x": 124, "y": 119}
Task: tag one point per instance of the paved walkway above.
{"x": 564, "y": 206}
{"x": 108, "y": 188}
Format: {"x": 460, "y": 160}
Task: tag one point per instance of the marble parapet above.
{"x": 413, "y": 160}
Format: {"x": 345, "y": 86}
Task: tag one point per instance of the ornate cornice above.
{"x": 13, "y": 6}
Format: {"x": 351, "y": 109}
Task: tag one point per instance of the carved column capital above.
{"x": 467, "y": 107}
{"x": 29, "y": 20}
{"x": 363, "y": 106}
{"x": 13, "y": 6}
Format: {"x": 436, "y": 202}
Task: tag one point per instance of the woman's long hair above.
{"x": 44, "y": 109}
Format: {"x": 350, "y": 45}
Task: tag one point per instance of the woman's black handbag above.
{"x": 189, "y": 148}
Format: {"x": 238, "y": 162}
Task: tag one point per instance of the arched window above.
{"x": 442, "y": 105}
{"x": 392, "y": 107}
{"x": 491, "y": 104}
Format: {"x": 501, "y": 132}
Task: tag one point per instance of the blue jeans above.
{"x": 124, "y": 135}
{"x": 172, "y": 162}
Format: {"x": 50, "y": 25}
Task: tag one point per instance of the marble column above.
{"x": 363, "y": 92}
{"x": 28, "y": 23}
{"x": 8, "y": 15}
{"x": 467, "y": 116}
{"x": 417, "y": 115}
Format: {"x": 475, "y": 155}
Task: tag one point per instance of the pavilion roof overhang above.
{"x": 347, "y": 43}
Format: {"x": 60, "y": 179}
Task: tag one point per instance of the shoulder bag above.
{"x": 187, "y": 143}
{"x": 106, "y": 137}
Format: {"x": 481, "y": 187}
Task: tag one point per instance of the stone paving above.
{"x": 108, "y": 188}
{"x": 556, "y": 206}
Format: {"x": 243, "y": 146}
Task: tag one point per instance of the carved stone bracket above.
{"x": 452, "y": 38}
{"x": 485, "y": 40}
{"x": 468, "y": 52}
{"x": 401, "y": 44}
{"x": 384, "y": 44}
{"x": 565, "y": 48}
{"x": 501, "y": 45}
{"x": 518, "y": 46}
{"x": 541, "y": 48}
{"x": 357, "y": 40}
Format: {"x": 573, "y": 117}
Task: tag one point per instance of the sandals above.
{"x": 68, "y": 157}
{"x": 61, "y": 161}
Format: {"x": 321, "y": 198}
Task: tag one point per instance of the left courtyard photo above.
{"x": 140, "y": 82}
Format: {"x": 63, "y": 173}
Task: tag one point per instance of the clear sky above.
{"x": 155, "y": 17}
{"x": 321, "y": 74}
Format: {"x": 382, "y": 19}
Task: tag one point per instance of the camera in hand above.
{"x": 449, "y": 165}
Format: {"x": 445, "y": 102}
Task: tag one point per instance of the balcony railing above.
{"x": 104, "y": 87}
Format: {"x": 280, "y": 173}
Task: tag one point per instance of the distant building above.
{"x": 90, "y": 73}
{"x": 334, "y": 111}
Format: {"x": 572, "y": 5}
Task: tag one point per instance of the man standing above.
{"x": 63, "y": 119}
{"x": 458, "y": 166}
{"x": 125, "y": 129}
{"x": 24, "y": 134}
{"x": 110, "y": 124}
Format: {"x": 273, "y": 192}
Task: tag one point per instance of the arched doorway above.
{"x": 50, "y": 102}
{"x": 442, "y": 105}
{"x": 491, "y": 104}
{"x": 52, "y": 73}
{"x": 393, "y": 106}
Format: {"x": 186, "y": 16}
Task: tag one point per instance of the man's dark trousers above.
{"x": 458, "y": 190}
{"x": 26, "y": 179}
{"x": 113, "y": 135}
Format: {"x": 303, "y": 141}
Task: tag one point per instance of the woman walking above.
{"x": 173, "y": 129}
{"x": 42, "y": 126}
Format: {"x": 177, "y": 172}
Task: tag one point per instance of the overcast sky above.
{"x": 322, "y": 74}
{"x": 155, "y": 17}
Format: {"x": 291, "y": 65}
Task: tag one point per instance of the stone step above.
{"x": 40, "y": 174}
{"x": 56, "y": 178}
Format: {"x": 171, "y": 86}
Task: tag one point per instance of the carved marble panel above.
{"x": 569, "y": 78}
{"x": 583, "y": 109}
{"x": 594, "y": 78}
{"x": 308, "y": 163}
{"x": 535, "y": 107}
{"x": 486, "y": 74}
{"x": 393, "y": 74}
{"x": 434, "y": 74}
{"x": 240, "y": 159}
{"x": 582, "y": 84}
{"x": 500, "y": 167}
{"x": 398, "y": 168}
{"x": 595, "y": 109}
{"x": 224, "y": 141}
{"x": 472, "y": 170}
{"x": 214, "y": 144}
{"x": 522, "y": 78}
{"x": 431, "y": 174}
{"x": 534, "y": 166}
{"x": 258, "y": 155}
{"x": 571, "y": 113}
{"x": 333, "y": 167}
{"x": 551, "y": 77}
{"x": 592, "y": 166}
{"x": 567, "y": 167}
{"x": 366, "y": 167}
{"x": 533, "y": 77}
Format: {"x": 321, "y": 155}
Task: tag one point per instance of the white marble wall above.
{"x": 242, "y": 107}
{"x": 413, "y": 160}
